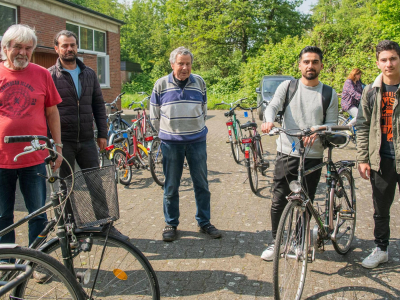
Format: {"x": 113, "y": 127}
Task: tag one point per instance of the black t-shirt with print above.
{"x": 388, "y": 99}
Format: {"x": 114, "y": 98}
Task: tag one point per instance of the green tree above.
{"x": 389, "y": 19}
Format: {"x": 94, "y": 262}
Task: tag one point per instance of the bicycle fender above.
{"x": 143, "y": 148}
{"x": 8, "y": 246}
{"x": 111, "y": 156}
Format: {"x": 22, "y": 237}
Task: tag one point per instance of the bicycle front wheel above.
{"x": 235, "y": 147}
{"x": 344, "y": 213}
{"x": 125, "y": 273}
{"x": 156, "y": 162}
{"x": 291, "y": 252}
{"x": 57, "y": 283}
{"x": 239, "y": 136}
{"x": 342, "y": 121}
{"x": 252, "y": 169}
{"x": 122, "y": 167}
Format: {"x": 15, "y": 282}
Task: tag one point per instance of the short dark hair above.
{"x": 67, "y": 33}
{"x": 311, "y": 49}
{"x": 385, "y": 46}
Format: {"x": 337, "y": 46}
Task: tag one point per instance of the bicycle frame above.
{"x": 325, "y": 226}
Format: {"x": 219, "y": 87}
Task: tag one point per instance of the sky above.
{"x": 305, "y": 7}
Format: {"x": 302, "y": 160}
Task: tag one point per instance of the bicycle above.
{"x": 295, "y": 244}
{"x": 17, "y": 283}
{"x": 352, "y": 133}
{"x": 235, "y": 139}
{"x": 253, "y": 154}
{"x": 124, "y": 160}
{"x": 107, "y": 266}
{"x": 146, "y": 129}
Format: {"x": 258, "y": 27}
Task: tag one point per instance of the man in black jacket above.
{"x": 80, "y": 91}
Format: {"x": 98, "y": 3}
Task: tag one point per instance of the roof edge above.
{"x": 90, "y": 11}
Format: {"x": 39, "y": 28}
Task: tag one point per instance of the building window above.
{"x": 94, "y": 42}
{"x": 8, "y": 17}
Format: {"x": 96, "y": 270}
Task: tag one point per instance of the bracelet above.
{"x": 59, "y": 145}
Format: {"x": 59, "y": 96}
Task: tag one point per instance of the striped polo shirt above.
{"x": 179, "y": 114}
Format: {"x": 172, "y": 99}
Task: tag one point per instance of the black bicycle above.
{"x": 295, "y": 243}
{"x": 107, "y": 266}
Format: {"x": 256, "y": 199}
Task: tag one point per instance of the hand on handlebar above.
{"x": 309, "y": 140}
{"x": 266, "y": 127}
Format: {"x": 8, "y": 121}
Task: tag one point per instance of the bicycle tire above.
{"x": 342, "y": 121}
{"x": 345, "y": 214}
{"x": 239, "y": 135}
{"x": 290, "y": 259}
{"x": 122, "y": 166}
{"x": 260, "y": 159}
{"x": 235, "y": 147}
{"x": 252, "y": 170}
{"x": 156, "y": 162}
{"x": 59, "y": 282}
{"x": 140, "y": 282}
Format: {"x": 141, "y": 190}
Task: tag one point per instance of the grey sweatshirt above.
{"x": 304, "y": 111}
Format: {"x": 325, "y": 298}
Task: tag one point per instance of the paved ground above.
{"x": 196, "y": 267}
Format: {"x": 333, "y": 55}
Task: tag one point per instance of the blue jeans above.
{"x": 173, "y": 158}
{"x": 33, "y": 189}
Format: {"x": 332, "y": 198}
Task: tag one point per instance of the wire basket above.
{"x": 94, "y": 199}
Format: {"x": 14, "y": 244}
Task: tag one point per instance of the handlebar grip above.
{"x": 18, "y": 139}
{"x": 337, "y": 127}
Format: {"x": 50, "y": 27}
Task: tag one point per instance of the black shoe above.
{"x": 169, "y": 233}
{"x": 211, "y": 231}
{"x": 115, "y": 232}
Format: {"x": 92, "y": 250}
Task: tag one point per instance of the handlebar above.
{"x": 232, "y": 103}
{"x": 300, "y": 133}
{"x": 34, "y": 140}
{"x": 130, "y": 128}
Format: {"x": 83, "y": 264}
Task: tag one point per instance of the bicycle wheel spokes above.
{"x": 344, "y": 213}
{"x": 235, "y": 147}
{"x": 122, "y": 166}
{"x": 57, "y": 282}
{"x": 124, "y": 272}
{"x": 291, "y": 253}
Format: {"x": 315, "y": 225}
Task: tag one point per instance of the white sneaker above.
{"x": 268, "y": 253}
{"x": 375, "y": 258}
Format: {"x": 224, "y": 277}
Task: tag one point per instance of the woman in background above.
{"x": 351, "y": 94}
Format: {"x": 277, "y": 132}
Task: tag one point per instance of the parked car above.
{"x": 266, "y": 90}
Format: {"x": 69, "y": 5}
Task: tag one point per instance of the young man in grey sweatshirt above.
{"x": 305, "y": 110}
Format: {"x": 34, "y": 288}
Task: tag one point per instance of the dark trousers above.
{"x": 286, "y": 171}
{"x": 383, "y": 188}
{"x": 86, "y": 155}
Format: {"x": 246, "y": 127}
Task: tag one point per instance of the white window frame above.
{"x": 16, "y": 14}
{"x": 102, "y": 54}
{"x": 107, "y": 70}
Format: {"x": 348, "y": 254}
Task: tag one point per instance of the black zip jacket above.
{"x": 76, "y": 115}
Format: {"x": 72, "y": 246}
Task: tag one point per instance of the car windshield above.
{"x": 270, "y": 85}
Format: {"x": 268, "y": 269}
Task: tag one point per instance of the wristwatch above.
{"x": 59, "y": 145}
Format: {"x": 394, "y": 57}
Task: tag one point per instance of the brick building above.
{"x": 99, "y": 45}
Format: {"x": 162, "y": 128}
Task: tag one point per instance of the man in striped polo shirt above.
{"x": 178, "y": 110}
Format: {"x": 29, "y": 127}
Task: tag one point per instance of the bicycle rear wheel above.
{"x": 59, "y": 283}
{"x": 291, "y": 252}
{"x": 344, "y": 213}
{"x": 122, "y": 167}
{"x": 252, "y": 169}
{"x": 342, "y": 121}
{"x": 125, "y": 273}
{"x": 156, "y": 162}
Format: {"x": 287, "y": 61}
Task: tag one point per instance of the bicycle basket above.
{"x": 94, "y": 199}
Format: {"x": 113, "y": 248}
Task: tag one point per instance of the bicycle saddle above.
{"x": 248, "y": 124}
{"x": 137, "y": 108}
{"x": 335, "y": 139}
{"x": 228, "y": 113}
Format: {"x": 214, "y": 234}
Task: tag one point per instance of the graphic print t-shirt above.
{"x": 388, "y": 99}
{"x": 24, "y": 96}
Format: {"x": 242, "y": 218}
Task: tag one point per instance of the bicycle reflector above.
{"x": 149, "y": 138}
{"x": 229, "y": 124}
{"x": 121, "y": 275}
{"x": 295, "y": 186}
{"x": 247, "y": 147}
{"x": 246, "y": 141}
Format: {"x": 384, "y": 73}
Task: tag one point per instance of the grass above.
{"x": 129, "y": 98}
